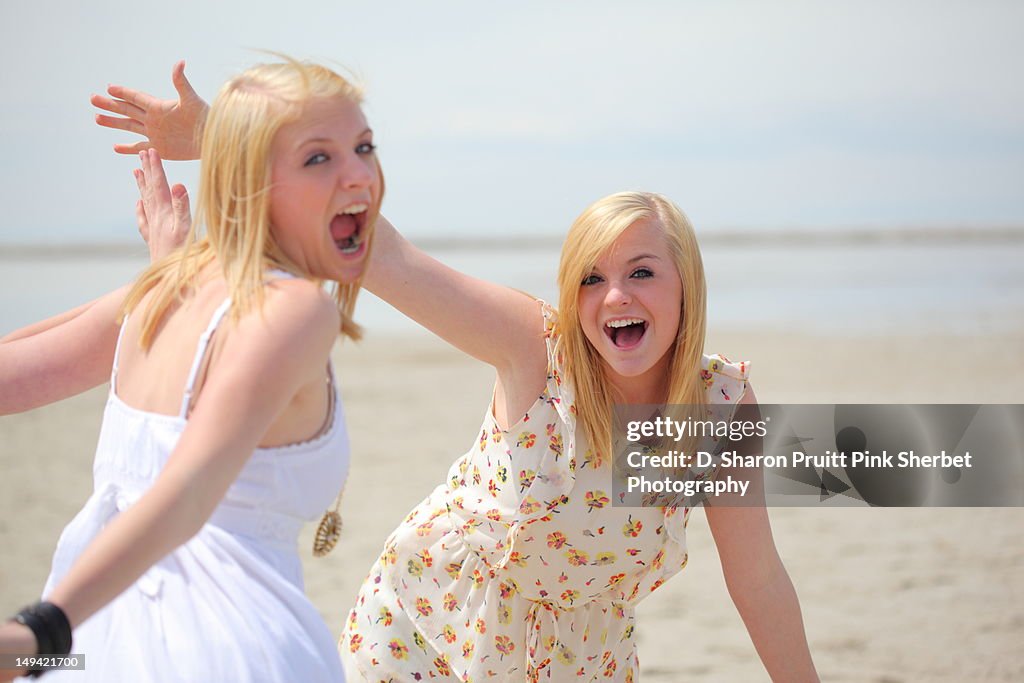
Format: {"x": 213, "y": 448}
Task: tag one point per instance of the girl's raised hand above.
{"x": 173, "y": 128}
{"x": 162, "y": 212}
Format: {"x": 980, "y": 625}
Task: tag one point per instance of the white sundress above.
{"x": 228, "y": 605}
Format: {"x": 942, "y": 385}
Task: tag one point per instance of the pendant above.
{"x": 327, "y": 533}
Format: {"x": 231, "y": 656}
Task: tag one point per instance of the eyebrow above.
{"x": 641, "y": 257}
{"x": 321, "y": 140}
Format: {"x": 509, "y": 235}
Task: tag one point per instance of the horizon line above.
{"x": 721, "y": 237}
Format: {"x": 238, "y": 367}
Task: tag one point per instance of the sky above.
{"x": 499, "y": 121}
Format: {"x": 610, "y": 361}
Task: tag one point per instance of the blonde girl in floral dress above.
{"x": 518, "y": 567}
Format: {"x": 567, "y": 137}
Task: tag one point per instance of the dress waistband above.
{"x": 278, "y": 530}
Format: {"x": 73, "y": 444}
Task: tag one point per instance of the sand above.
{"x": 887, "y": 594}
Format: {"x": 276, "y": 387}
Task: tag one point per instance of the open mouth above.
{"x": 625, "y": 333}
{"x": 347, "y": 228}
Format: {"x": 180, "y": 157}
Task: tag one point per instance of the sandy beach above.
{"x": 888, "y": 595}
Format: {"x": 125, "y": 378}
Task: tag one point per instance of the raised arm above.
{"x": 266, "y": 360}
{"x": 173, "y": 127}
{"x": 757, "y": 580}
{"x": 496, "y": 324}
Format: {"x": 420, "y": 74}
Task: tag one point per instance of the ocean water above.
{"x": 949, "y": 287}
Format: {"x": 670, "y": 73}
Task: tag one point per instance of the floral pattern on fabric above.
{"x": 519, "y": 567}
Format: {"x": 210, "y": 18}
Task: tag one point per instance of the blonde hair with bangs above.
{"x": 234, "y": 195}
{"x": 591, "y": 234}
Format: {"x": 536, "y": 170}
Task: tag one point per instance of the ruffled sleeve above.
{"x": 725, "y": 384}
{"x": 724, "y": 380}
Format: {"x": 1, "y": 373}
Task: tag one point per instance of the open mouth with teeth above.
{"x": 625, "y": 333}
{"x": 347, "y": 228}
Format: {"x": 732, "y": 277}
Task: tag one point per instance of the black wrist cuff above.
{"x": 58, "y": 625}
{"x": 51, "y": 628}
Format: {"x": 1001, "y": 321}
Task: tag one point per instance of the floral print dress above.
{"x": 519, "y": 568}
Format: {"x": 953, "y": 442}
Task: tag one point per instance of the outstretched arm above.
{"x": 491, "y": 322}
{"x": 173, "y": 128}
{"x": 43, "y": 325}
{"x": 59, "y": 357}
{"x": 758, "y": 582}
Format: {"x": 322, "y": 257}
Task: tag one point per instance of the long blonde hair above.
{"x": 234, "y": 195}
{"x": 591, "y": 234}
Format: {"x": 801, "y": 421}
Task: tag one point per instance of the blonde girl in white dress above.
{"x": 223, "y": 432}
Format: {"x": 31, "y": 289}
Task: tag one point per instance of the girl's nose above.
{"x": 617, "y": 296}
{"x": 359, "y": 173}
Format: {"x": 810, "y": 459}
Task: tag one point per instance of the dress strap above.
{"x": 204, "y": 341}
{"x": 117, "y": 354}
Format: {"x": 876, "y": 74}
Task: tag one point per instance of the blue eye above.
{"x": 591, "y": 279}
{"x": 642, "y": 273}
{"x": 317, "y": 158}
{"x": 366, "y": 148}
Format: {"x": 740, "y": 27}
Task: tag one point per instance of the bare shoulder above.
{"x": 303, "y": 305}
{"x": 298, "y": 321}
